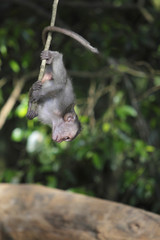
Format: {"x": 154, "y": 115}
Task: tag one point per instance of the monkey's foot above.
{"x": 47, "y": 55}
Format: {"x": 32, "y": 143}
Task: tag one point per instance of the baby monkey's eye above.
{"x": 66, "y": 138}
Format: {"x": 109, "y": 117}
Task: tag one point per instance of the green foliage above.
{"x": 117, "y": 154}
{"x": 14, "y": 66}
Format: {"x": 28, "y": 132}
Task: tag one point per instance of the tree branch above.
{"x": 6, "y": 109}
{"x": 49, "y": 38}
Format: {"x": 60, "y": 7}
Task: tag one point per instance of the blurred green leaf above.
{"x": 3, "y": 49}
{"x": 157, "y": 80}
{"x": 17, "y": 135}
{"x": 81, "y": 190}
{"x": 126, "y": 110}
{"x": 14, "y": 66}
{"x": 51, "y": 181}
{"x": 106, "y": 127}
{"x": 21, "y": 110}
{"x": 156, "y": 4}
{"x": 150, "y": 148}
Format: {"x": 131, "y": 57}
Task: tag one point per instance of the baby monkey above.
{"x": 52, "y": 99}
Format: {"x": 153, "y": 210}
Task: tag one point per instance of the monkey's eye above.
{"x": 66, "y": 138}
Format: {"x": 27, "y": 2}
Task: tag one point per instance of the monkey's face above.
{"x": 67, "y": 129}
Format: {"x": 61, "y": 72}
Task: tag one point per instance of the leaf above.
{"x": 97, "y": 161}
{"x": 17, "y": 135}
{"x": 14, "y": 66}
{"x": 22, "y": 108}
{"x": 106, "y": 127}
{"x": 126, "y": 110}
{"x": 157, "y": 80}
{"x": 150, "y": 148}
{"x": 3, "y": 50}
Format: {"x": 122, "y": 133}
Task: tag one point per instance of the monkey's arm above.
{"x": 71, "y": 34}
{"x": 34, "y": 96}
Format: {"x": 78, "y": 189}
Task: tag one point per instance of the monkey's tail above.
{"x": 71, "y": 34}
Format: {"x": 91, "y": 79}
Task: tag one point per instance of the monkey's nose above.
{"x": 56, "y": 139}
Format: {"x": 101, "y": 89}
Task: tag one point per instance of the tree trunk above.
{"x": 33, "y": 212}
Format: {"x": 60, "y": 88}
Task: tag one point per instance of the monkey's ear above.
{"x": 69, "y": 117}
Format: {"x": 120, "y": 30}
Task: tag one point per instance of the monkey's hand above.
{"x": 34, "y": 93}
{"x": 34, "y": 96}
{"x": 32, "y": 110}
{"x": 49, "y": 56}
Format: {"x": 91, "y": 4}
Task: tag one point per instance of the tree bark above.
{"x": 33, "y": 212}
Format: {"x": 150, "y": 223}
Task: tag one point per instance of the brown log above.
{"x": 33, "y": 212}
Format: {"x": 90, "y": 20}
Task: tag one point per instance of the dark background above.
{"x": 117, "y": 154}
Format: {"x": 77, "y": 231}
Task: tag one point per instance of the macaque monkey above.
{"x": 52, "y": 99}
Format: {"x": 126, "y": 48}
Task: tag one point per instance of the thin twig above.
{"x": 49, "y": 38}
